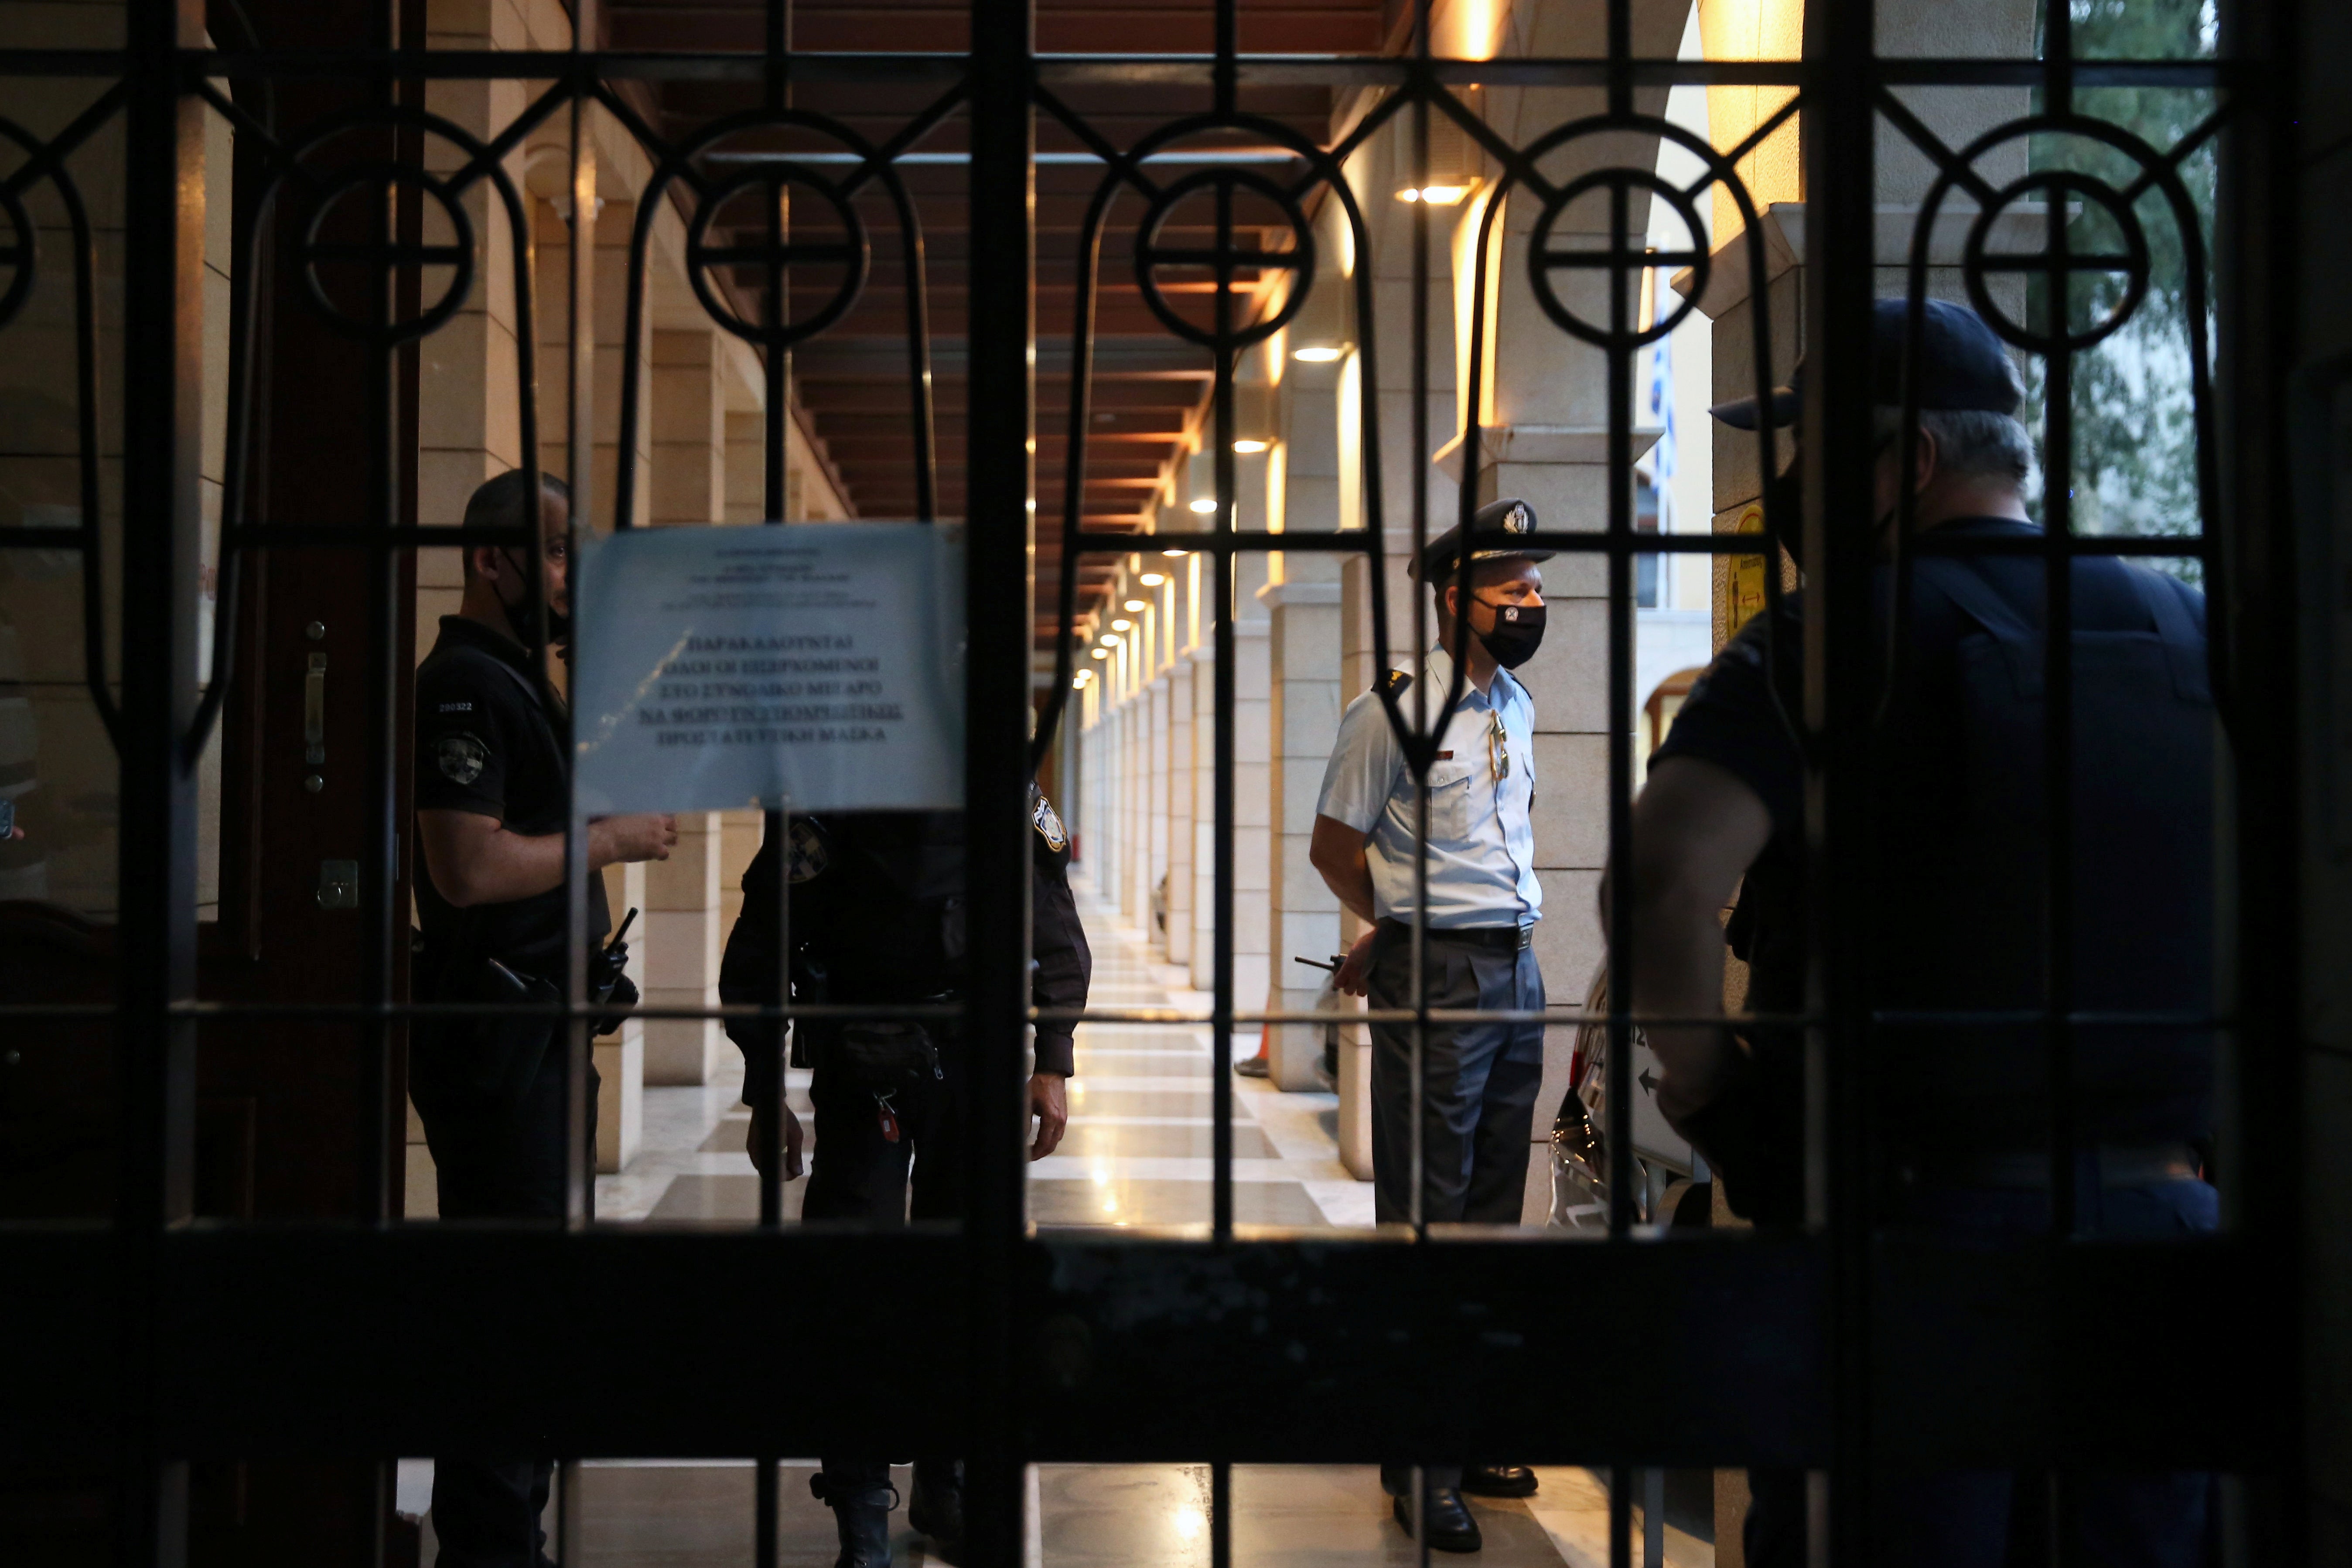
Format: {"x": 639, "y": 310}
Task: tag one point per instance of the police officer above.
{"x": 1478, "y": 1080}
{"x": 492, "y": 795}
{"x": 878, "y": 915}
{"x": 1958, "y": 850}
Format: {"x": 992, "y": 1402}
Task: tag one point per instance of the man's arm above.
{"x": 1337, "y": 851}
{"x": 474, "y": 859}
{"x": 1061, "y": 974}
{"x": 1696, "y": 829}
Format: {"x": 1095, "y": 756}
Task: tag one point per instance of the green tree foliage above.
{"x": 2134, "y": 438}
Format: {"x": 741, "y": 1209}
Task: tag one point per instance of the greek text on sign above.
{"x": 817, "y": 667}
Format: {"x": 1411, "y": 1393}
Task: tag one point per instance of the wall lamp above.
{"x": 1318, "y": 353}
{"x": 1204, "y": 506}
{"x": 1249, "y": 445}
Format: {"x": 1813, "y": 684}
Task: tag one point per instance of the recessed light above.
{"x": 1101, "y": 652}
{"x": 1317, "y": 354}
{"x": 1248, "y": 446}
{"x": 1204, "y": 506}
{"x": 1079, "y": 681}
{"x": 1153, "y": 579}
{"x": 1108, "y": 640}
{"x": 1137, "y": 605}
{"x": 1175, "y": 555}
{"x": 1121, "y": 624}
{"x": 1444, "y": 196}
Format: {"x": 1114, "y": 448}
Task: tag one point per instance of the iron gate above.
{"x": 160, "y": 1339}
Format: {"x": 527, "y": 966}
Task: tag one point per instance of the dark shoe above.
{"x": 935, "y": 1508}
{"x": 863, "y": 1517}
{"x": 1254, "y": 1067}
{"x": 1451, "y": 1527}
{"x": 1498, "y": 1480}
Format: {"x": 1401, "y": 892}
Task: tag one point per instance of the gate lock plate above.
{"x": 339, "y": 884}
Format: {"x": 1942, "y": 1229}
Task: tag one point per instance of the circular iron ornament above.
{"x": 775, "y": 181}
{"x": 20, "y": 255}
{"x": 2056, "y": 185}
{"x": 380, "y": 180}
{"x": 1620, "y": 259}
{"x": 1225, "y": 258}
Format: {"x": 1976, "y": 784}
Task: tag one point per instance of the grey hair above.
{"x": 1971, "y": 442}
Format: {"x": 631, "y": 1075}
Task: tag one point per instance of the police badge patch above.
{"x": 460, "y": 758}
{"x": 1048, "y": 826}
{"x": 811, "y": 853}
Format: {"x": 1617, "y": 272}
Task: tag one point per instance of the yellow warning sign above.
{"x": 1744, "y": 578}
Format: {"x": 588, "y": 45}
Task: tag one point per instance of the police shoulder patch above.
{"x": 1396, "y": 683}
{"x": 1048, "y": 826}
{"x": 460, "y": 758}
{"x": 811, "y": 853}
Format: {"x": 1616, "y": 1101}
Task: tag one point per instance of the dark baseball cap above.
{"x": 1492, "y": 526}
{"x": 1962, "y": 365}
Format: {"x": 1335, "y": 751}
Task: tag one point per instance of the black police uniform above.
{"x": 879, "y": 914}
{"x": 490, "y": 1091}
{"x": 1962, "y": 1115}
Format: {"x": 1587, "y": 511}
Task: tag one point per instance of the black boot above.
{"x": 861, "y": 1512}
{"x": 936, "y": 1507}
{"x": 1451, "y": 1527}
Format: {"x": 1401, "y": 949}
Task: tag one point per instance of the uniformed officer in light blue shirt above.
{"x": 1479, "y": 1080}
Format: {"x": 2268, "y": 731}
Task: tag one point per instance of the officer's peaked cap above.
{"x": 1495, "y": 529}
{"x": 1962, "y": 366}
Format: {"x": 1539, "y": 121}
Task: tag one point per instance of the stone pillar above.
{"x": 1302, "y": 714}
{"x": 1204, "y": 797}
{"x": 1182, "y": 731}
{"x": 681, "y": 933}
{"x": 1155, "y": 792}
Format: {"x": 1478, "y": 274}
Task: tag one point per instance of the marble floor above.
{"x": 1136, "y": 1154}
{"x": 1138, "y": 1149}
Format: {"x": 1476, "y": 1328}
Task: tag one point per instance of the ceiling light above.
{"x": 1121, "y": 624}
{"x": 1248, "y": 446}
{"x": 1435, "y": 195}
{"x": 1317, "y": 354}
{"x": 1178, "y": 554}
{"x": 1098, "y": 653}
{"x": 1108, "y": 640}
{"x": 1153, "y": 579}
{"x": 1137, "y": 605}
{"x": 1204, "y": 506}
{"x": 1079, "y": 681}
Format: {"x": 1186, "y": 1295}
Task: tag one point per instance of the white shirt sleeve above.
{"x": 1362, "y": 773}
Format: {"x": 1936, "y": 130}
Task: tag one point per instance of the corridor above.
{"x": 1136, "y": 1154}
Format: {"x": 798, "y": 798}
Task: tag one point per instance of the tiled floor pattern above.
{"x": 1137, "y": 1155}
{"x": 652, "y": 1514}
{"x": 1141, "y": 1127}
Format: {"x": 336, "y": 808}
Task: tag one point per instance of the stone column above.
{"x": 680, "y": 931}
{"x": 1182, "y": 730}
{"x": 1205, "y": 796}
{"x": 1303, "y": 717}
{"x": 1155, "y": 792}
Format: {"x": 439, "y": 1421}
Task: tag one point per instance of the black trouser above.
{"x": 1479, "y": 1092}
{"x": 857, "y": 1173}
{"x": 494, "y": 1161}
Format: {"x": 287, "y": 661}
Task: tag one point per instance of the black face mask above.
{"x": 523, "y": 616}
{"x": 1518, "y": 632}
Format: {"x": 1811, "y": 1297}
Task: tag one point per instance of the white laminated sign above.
{"x": 817, "y": 667}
